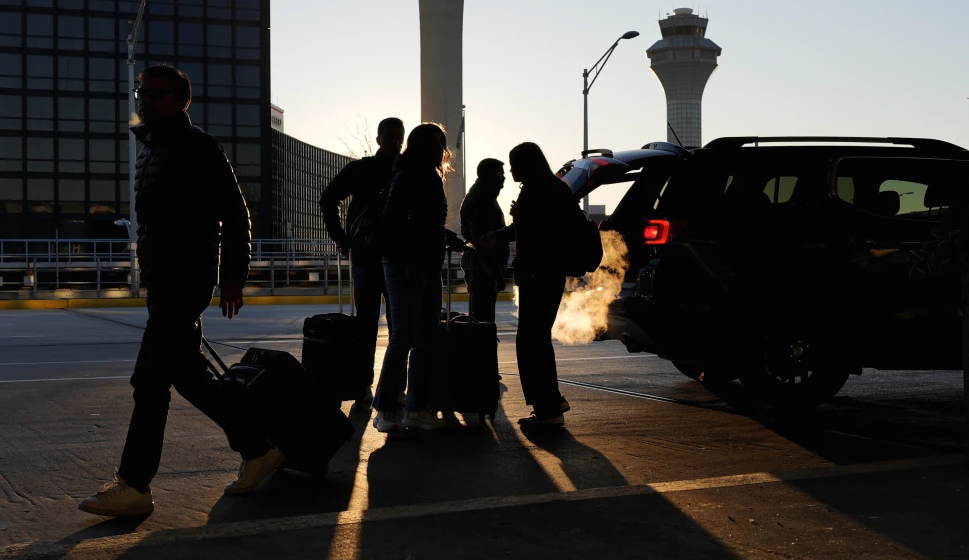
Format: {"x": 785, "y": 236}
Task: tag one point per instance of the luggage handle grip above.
{"x": 217, "y": 359}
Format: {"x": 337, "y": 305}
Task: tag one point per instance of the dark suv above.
{"x": 787, "y": 266}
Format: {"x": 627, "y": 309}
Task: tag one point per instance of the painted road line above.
{"x": 65, "y": 379}
{"x": 110, "y": 546}
{"x": 640, "y": 356}
{"x": 62, "y": 363}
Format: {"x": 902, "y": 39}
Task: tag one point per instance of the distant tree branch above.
{"x": 358, "y": 143}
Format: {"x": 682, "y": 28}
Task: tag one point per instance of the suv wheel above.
{"x": 796, "y": 372}
{"x": 707, "y": 375}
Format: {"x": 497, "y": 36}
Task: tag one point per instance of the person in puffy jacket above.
{"x": 190, "y": 209}
{"x": 484, "y": 269}
{"x": 413, "y": 238}
{"x": 541, "y": 208}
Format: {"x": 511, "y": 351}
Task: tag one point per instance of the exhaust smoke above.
{"x": 582, "y": 315}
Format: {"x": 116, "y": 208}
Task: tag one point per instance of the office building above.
{"x": 64, "y": 104}
{"x": 683, "y": 60}
{"x": 276, "y": 118}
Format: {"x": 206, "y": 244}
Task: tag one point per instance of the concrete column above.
{"x": 442, "y": 23}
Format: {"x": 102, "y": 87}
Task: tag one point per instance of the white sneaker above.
{"x": 424, "y": 419}
{"x": 118, "y": 500}
{"x": 252, "y": 472}
{"x": 386, "y": 422}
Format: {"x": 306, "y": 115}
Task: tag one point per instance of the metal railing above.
{"x": 69, "y": 268}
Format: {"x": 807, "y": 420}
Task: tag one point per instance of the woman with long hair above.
{"x": 413, "y": 238}
{"x": 541, "y": 208}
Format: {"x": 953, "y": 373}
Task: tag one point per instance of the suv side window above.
{"x": 895, "y": 191}
{"x": 911, "y": 197}
{"x": 780, "y": 189}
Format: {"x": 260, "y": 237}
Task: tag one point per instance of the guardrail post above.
{"x": 36, "y": 278}
{"x": 288, "y": 258}
{"x": 97, "y": 266}
{"x": 326, "y": 272}
{"x": 272, "y": 275}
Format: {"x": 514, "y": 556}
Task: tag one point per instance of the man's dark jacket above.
{"x": 184, "y": 187}
{"x": 362, "y": 180}
{"x": 480, "y": 214}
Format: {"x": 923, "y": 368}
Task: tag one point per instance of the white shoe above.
{"x": 118, "y": 500}
{"x": 386, "y": 422}
{"x": 252, "y": 472}
{"x": 424, "y": 419}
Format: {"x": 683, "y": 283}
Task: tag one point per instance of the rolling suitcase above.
{"x": 465, "y": 375}
{"x": 331, "y": 348}
{"x": 290, "y": 405}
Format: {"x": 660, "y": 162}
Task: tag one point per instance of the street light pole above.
{"x": 585, "y": 97}
{"x": 132, "y": 155}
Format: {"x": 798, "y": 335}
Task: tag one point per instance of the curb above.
{"x": 34, "y": 304}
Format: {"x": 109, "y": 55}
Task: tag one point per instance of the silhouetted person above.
{"x": 363, "y": 180}
{"x": 484, "y": 270}
{"x": 541, "y": 208}
{"x": 413, "y": 237}
{"x": 184, "y": 187}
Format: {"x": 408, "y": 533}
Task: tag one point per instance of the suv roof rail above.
{"x": 667, "y": 147}
{"x": 599, "y": 151}
{"x": 917, "y": 143}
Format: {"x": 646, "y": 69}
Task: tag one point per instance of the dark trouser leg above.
{"x": 368, "y": 286}
{"x": 170, "y": 354}
{"x": 539, "y": 301}
{"x": 425, "y": 341}
{"x": 483, "y": 297}
{"x": 404, "y": 306}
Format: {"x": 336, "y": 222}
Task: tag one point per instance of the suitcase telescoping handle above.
{"x": 217, "y": 359}
{"x": 339, "y": 278}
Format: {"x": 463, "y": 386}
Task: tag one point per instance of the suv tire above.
{"x": 796, "y": 372}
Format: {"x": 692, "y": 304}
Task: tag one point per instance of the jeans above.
{"x": 415, "y": 304}
{"x": 538, "y": 302}
{"x": 170, "y": 355}
{"x": 368, "y": 286}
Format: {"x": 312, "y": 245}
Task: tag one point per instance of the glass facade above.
{"x": 300, "y": 171}
{"x": 64, "y": 104}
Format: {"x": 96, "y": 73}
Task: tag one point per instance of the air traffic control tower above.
{"x": 683, "y": 61}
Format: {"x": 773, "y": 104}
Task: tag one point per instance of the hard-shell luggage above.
{"x": 293, "y": 407}
{"x": 332, "y": 348}
{"x": 465, "y": 375}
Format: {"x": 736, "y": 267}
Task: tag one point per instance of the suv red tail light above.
{"x": 659, "y": 232}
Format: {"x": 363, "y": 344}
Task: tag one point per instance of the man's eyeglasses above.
{"x": 153, "y": 93}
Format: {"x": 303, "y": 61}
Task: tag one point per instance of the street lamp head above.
{"x": 630, "y": 34}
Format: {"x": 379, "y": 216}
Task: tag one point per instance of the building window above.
{"x": 219, "y": 120}
{"x": 70, "y": 155}
{"x": 247, "y": 161}
{"x": 71, "y": 4}
{"x": 11, "y": 196}
{"x": 247, "y": 120}
{"x": 70, "y": 196}
{"x": 100, "y": 73}
{"x": 11, "y": 71}
{"x": 220, "y": 9}
{"x": 11, "y": 153}
{"x": 70, "y": 33}
{"x": 247, "y": 43}
{"x": 40, "y": 3}
{"x": 70, "y": 114}
{"x": 40, "y": 72}
{"x": 196, "y": 74}
{"x": 102, "y": 158}
{"x": 101, "y": 5}
{"x": 103, "y": 196}
{"x": 11, "y": 112}
{"x": 101, "y": 115}
{"x": 11, "y": 31}
{"x": 190, "y": 8}
{"x": 40, "y": 31}
{"x": 161, "y": 38}
{"x": 40, "y": 196}
{"x": 196, "y": 111}
{"x": 70, "y": 73}
{"x": 247, "y": 81}
{"x": 40, "y": 155}
{"x": 190, "y": 39}
{"x": 220, "y": 80}
{"x": 219, "y": 40}
{"x": 161, "y": 7}
{"x": 40, "y": 113}
{"x": 101, "y": 34}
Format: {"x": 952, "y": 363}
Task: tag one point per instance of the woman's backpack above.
{"x": 364, "y": 232}
{"x": 582, "y": 252}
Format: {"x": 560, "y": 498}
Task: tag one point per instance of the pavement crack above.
{"x": 9, "y": 487}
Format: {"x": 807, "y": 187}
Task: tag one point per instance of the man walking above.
{"x": 185, "y": 188}
{"x": 484, "y": 270}
{"x": 362, "y": 180}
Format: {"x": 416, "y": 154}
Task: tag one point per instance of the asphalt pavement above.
{"x": 651, "y": 464}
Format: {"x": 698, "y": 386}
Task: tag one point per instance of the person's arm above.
{"x": 393, "y": 219}
{"x": 236, "y": 235}
{"x": 337, "y": 191}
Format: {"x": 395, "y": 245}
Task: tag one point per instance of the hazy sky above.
{"x": 849, "y": 67}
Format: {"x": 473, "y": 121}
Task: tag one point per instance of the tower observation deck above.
{"x": 683, "y": 60}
